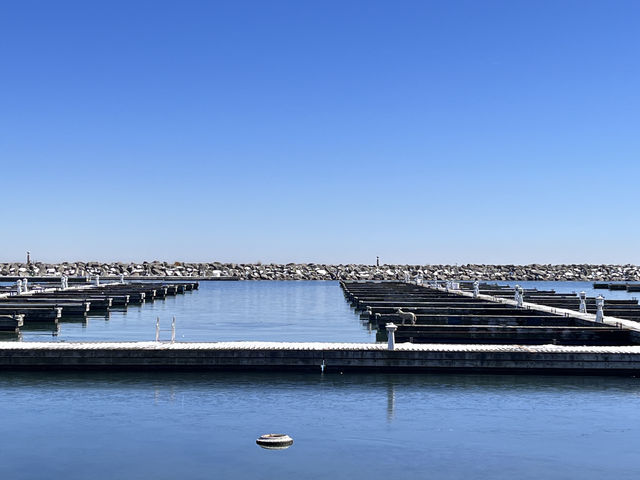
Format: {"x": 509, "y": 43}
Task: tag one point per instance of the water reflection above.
{"x": 391, "y": 400}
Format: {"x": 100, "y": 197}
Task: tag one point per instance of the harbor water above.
{"x": 297, "y": 311}
{"x": 203, "y": 426}
{"x": 376, "y": 426}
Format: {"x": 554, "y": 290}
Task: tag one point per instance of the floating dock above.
{"x": 134, "y": 278}
{"x": 461, "y": 328}
{"x": 629, "y": 287}
{"x": 320, "y": 357}
{"x": 61, "y": 302}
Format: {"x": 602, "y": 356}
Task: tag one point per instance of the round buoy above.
{"x": 275, "y": 441}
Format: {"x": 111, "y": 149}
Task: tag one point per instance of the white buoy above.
{"x": 275, "y": 441}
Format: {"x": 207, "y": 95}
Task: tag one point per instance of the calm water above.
{"x": 223, "y": 311}
{"x": 202, "y": 426}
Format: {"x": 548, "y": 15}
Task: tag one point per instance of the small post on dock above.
{"x": 599, "y": 309}
{"x": 391, "y": 333}
{"x": 520, "y": 296}
{"x": 97, "y": 280}
{"x": 583, "y": 302}
{"x": 157, "y": 328}
{"x": 19, "y": 286}
{"x": 173, "y": 330}
{"x": 476, "y": 289}
{"x": 369, "y": 313}
{"x": 122, "y": 278}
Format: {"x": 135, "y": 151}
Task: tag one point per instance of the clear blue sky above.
{"x": 324, "y": 131}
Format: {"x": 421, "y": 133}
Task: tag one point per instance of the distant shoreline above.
{"x": 312, "y": 271}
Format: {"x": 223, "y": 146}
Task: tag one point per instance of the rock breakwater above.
{"x": 314, "y": 271}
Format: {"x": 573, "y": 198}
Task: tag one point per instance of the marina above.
{"x": 32, "y": 302}
{"x": 263, "y": 324}
{"x": 458, "y": 327}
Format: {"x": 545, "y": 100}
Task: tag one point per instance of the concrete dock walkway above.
{"x": 312, "y": 356}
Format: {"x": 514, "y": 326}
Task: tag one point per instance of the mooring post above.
{"x": 19, "y": 286}
{"x": 157, "y": 328}
{"x": 520, "y": 296}
{"x": 583, "y": 302}
{"x": 476, "y": 289}
{"x": 391, "y": 333}
{"x": 369, "y": 313}
{"x": 173, "y": 330}
{"x": 599, "y": 309}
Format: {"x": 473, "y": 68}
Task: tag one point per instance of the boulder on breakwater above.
{"x": 314, "y": 271}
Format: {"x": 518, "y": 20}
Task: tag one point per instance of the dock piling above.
{"x": 391, "y": 332}
{"x": 599, "y": 308}
{"x": 583, "y": 302}
{"x": 520, "y": 296}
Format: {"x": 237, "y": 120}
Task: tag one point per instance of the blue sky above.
{"x": 320, "y": 131}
